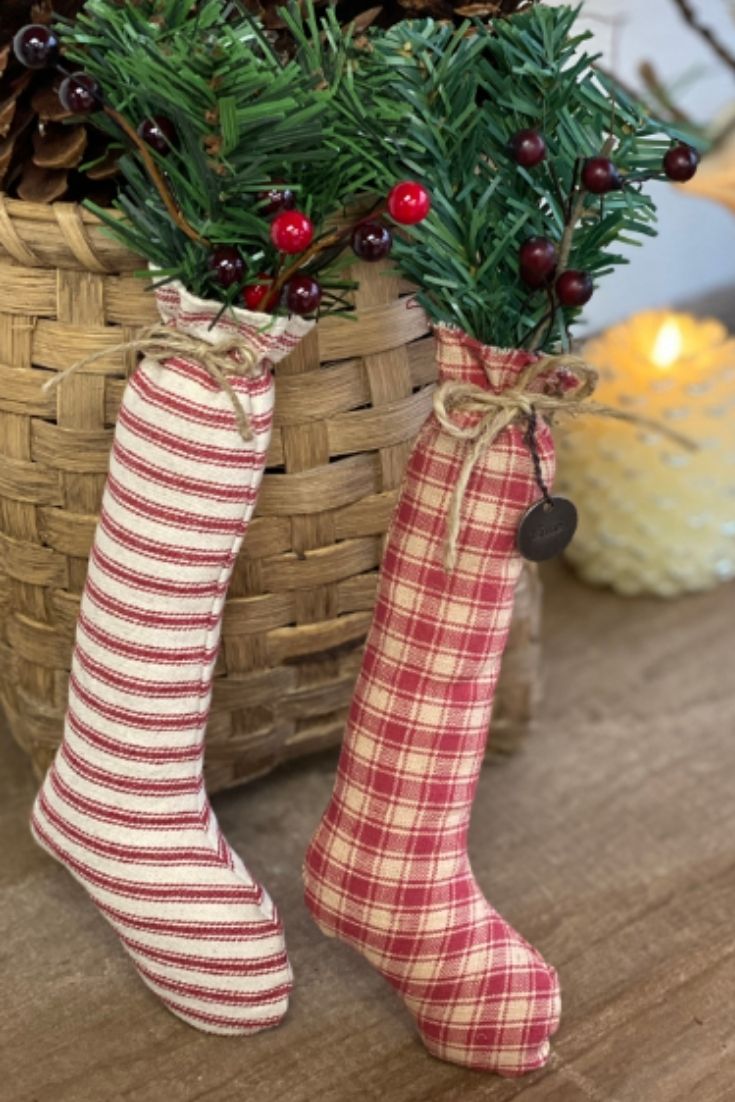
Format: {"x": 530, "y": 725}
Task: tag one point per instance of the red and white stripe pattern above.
{"x": 387, "y": 870}
{"x": 124, "y": 805}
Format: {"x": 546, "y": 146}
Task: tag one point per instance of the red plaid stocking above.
{"x": 387, "y": 870}
{"x": 123, "y": 807}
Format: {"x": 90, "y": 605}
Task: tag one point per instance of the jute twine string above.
{"x": 229, "y": 356}
{"x": 497, "y": 411}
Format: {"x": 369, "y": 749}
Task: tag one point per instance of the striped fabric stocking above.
{"x": 387, "y": 870}
{"x": 123, "y": 807}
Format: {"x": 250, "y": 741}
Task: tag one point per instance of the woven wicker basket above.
{"x": 349, "y": 403}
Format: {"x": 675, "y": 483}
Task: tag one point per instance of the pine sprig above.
{"x": 444, "y": 104}
{"x": 347, "y": 115}
{"x": 244, "y": 116}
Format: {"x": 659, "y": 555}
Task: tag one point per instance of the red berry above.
{"x": 537, "y": 256}
{"x": 600, "y": 175}
{"x": 36, "y": 46}
{"x": 274, "y": 201}
{"x": 527, "y": 148}
{"x": 371, "y": 240}
{"x": 302, "y": 295}
{"x": 409, "y": 202}
{"x": 680, "y": 163}
{"x": 254, "y": 293}
{"x": 159, "y": 132}
{"x": 79, "y": 94}
{"x": 574, "y": 288}
{"x": 292, "y": 231}
{"x": 227, "y": 265}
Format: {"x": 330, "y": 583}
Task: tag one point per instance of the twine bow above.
{"x": 497, "y": 411}
{"x": 229, "y": 356}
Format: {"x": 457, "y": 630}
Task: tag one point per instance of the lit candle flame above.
{"x": 668, "y": 344}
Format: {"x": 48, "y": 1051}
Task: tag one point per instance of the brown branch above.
{"x": 690, "y": 16}
{"x": 327, "y": 242}
{"x": 655, "y": 87}
{"x": 157, "y": 177}
{"x": 575, "y": 211}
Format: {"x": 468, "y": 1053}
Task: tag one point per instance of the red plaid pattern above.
{"x": 387, "y": 870}
{"x": 123, "y": 807}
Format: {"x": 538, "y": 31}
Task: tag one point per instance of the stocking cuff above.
{"x": 271, "y": 337}
{"x": 462, "y": 358}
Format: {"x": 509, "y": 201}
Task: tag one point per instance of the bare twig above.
{"x": 157, "y": 177}
{"x": 660, "y": 93}
{"x": 576, "y": 208}
{"x": 691, "y": 17}
{"x": 574, "y": 212}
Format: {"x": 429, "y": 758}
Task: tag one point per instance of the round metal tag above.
{"x": 546, "y": 529}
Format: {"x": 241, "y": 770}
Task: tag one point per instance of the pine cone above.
{"x": 366, "y": 12}
{"x": 392, "y": 11}
{"x": 40, "y": 155}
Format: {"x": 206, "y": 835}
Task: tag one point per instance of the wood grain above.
{"x": 608, "y": 842}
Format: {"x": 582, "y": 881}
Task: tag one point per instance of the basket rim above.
{"x": 44, "y": 212}
{"x": 77, "y": 237}
{"x": 60, "y": 235}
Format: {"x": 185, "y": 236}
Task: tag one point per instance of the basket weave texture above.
{"x": 349, "y": 402}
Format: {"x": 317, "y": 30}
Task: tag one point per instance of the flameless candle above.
{"x": 653, "y": 517}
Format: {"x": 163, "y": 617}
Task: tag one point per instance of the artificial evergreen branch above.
{"x": 346, "y": 114}
{"x": 245, "y": 118}
{"x": 443, "y": 105}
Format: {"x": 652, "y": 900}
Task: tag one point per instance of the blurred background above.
{"x": 695, "y": 250}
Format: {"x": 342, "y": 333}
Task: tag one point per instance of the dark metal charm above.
{"x": 547, "y": 528}
{"x": 549, "y": 525}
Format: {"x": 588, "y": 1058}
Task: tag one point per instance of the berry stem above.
{"x": 575, "y": 209}
{"x": 539, "y": 333}
{"x": 157, "y": 177}
{"x": 152, "y": 168}
{"x": 556, "y": 184}
{"x": 690, "y": 16}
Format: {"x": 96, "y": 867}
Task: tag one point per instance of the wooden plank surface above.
{"x": 610, "y": 842}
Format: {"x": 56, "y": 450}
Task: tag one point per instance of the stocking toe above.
{"x": 502, "y": 1024}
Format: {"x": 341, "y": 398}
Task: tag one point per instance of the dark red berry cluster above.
{"x": 538, "y": 256}
{"x": 538, "y": 259}
{"x": 408, "y": 204}
{"x": 292, "y": 232}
